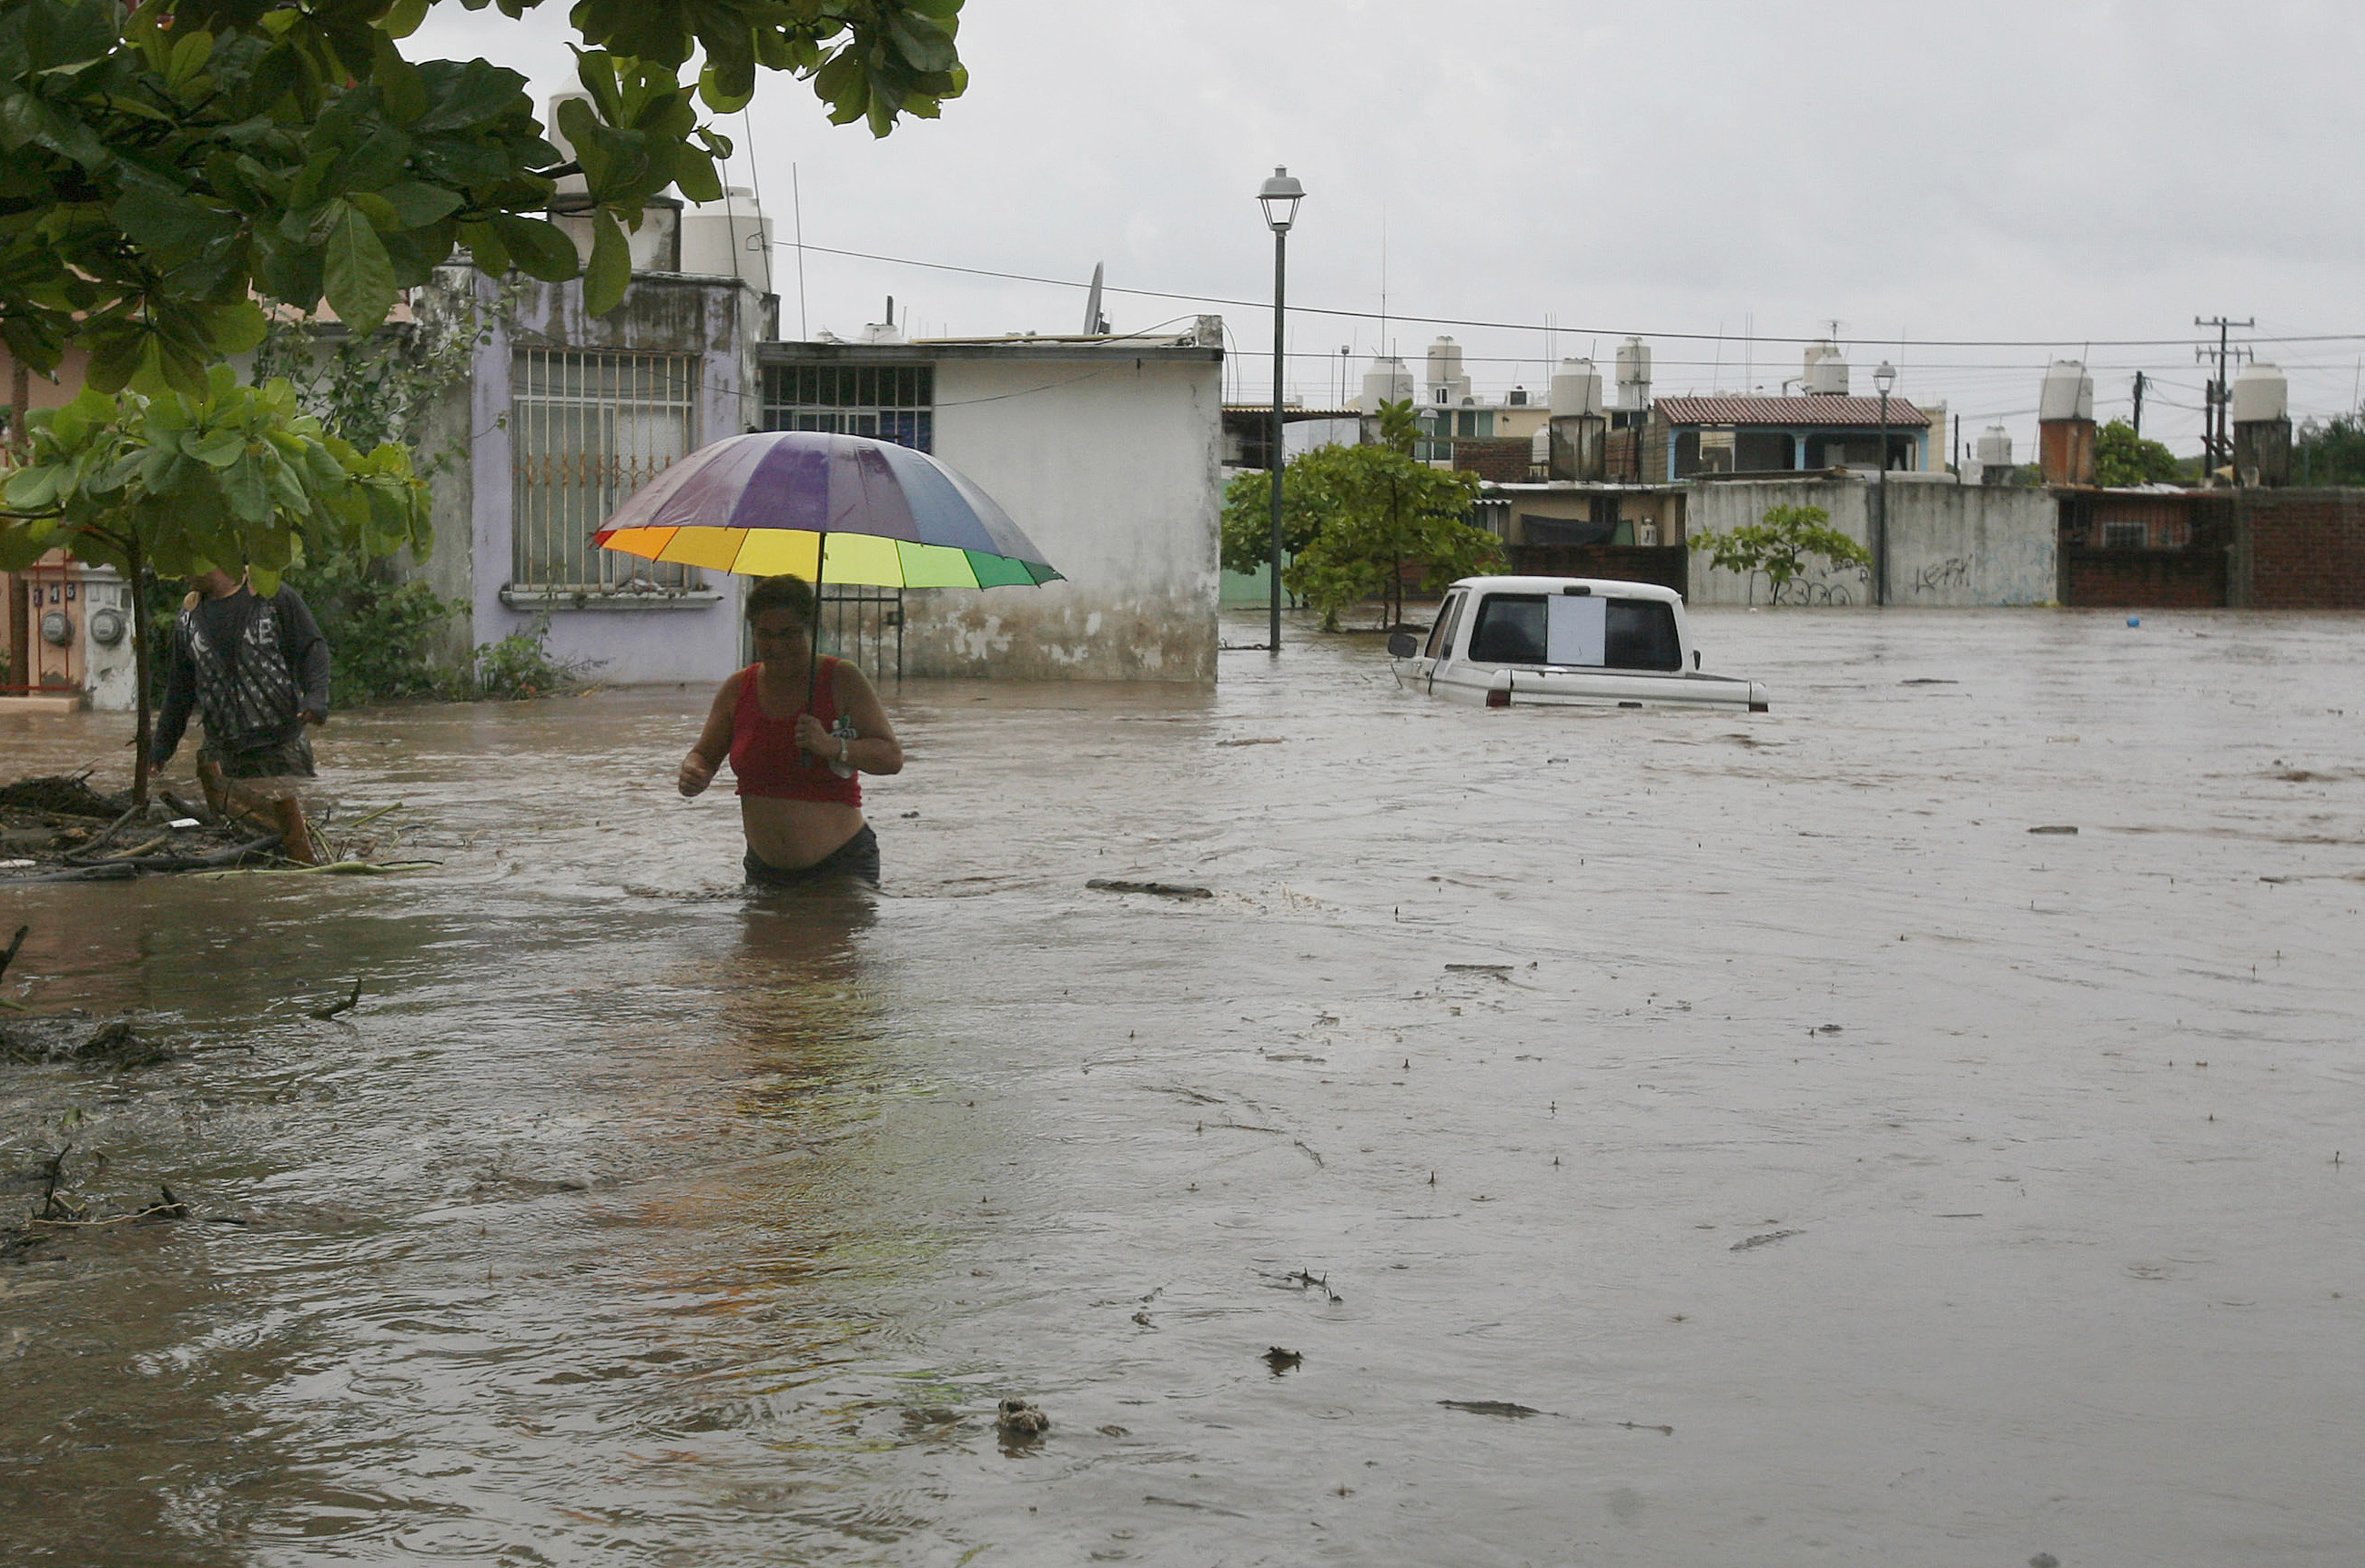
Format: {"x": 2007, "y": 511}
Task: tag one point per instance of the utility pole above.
{"x": 2139, "y": 387}
{"x": 2217, "y": 444}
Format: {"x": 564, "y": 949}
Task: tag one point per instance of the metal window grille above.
{"x": 587, "y": 429}
{"x": 886, "y": 402}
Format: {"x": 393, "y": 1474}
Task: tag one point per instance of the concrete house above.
{"x": 1105, "y": 449}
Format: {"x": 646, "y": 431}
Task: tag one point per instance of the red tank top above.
{"x": 764, "y": 749}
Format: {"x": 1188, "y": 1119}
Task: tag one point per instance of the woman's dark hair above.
{"x": 782, "y": 592}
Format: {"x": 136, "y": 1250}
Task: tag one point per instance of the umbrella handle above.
{"x": 813, "y": 649}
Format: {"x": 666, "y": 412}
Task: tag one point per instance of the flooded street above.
{"x": 1834, "y": 1170}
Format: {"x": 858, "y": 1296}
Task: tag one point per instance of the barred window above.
{"x": 587, "y": 429}
{"x": 888, "y": 402}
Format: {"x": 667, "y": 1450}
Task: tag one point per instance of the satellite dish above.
{"x": 1095, "y": 324}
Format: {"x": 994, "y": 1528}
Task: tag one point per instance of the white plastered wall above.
{"x": 1111, "y": 466}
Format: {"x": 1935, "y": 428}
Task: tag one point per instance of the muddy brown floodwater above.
{"x": 1661, "y": 1138}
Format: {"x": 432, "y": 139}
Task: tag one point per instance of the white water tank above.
{"x": 1825, "y": 374}
{"x": 2260, "y": 394}
{"x": 1633, "y": 374}
{"x": 1993, "y": 449}
{"x": 1388, "y": 381}
{"x": 1576, "y": 388}
{"x": 1446, "y": 383}
{"x": 2068, "y": 393}
{"x": 731, "y": 238}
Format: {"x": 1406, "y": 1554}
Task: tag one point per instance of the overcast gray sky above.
{"x": 2056, "y": 174}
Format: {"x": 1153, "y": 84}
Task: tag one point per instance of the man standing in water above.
{"x": 256, "y": 671}
{"x": 800, "y": 798}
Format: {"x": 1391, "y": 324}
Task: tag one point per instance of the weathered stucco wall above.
{"x": 1112, "y": 469}
{"x": 622, "y": 640}
{"x": 1950, "y": 545}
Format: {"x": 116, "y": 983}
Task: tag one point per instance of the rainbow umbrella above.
{"x": 840, "y": 509}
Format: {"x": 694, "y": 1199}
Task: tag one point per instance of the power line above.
{"x": 1536, "y": 327}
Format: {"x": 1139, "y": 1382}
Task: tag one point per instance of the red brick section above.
{"x": 1665, "y": 564}
{"x": 2143, "y": 579}
{"x": 1499, "y": 460}
{"x": 2306, "y": 548}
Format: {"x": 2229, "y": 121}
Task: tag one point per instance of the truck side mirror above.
{"x": 1403, "y": 646}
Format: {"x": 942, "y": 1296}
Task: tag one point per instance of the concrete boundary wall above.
{"x": 1950, "y": 545}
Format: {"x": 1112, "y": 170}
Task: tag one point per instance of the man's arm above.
{"x": 180, "y": 696}
{"x": 307, "y": 652}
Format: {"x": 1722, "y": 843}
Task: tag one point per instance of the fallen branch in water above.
{"x": 364, "y": 821}
{"x": 112, "y": 870}
{"x": 347, "y": 1005}
{"x": 333, "y": 868}
{"x": 91, "y": 847}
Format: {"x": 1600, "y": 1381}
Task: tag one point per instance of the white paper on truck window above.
{"x": 1575, "y": 629}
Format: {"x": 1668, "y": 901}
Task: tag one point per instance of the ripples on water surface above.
{"x": 626, "y": 1222}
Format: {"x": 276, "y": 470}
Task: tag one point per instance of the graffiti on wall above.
{"x": 1953, "y": 572}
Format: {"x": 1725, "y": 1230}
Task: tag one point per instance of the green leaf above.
{"x": 246, "y": 490}
{"x": 461, "y": 96}
{"x": 236, "y": 328}
{"x": 610, "y": 272}
{"x": 358, "y": 276}
{"x": 540, "y": 249}
{"x": 418, "y": 205}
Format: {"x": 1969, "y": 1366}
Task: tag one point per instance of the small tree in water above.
{"x": 1778, "y": 544}
{"x": 1358, "y": 520}
{"x": 181, "y": 483}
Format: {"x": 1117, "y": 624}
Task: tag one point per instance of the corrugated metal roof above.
{"x": 1818, "y": 411}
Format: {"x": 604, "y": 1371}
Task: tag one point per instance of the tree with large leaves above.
{"x": 164, "y": 163}
{"x": 230, "y": 475}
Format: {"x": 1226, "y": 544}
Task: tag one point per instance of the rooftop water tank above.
{"x": 1540, "y": 446}
{"x": 1444, "y": 362}
{"x": 1388, "y": 381}
{"x": 1576, "y": 388}
{"x": 1993, "y": 448}
{"x": 1826, "y": 370}
{"x": 2260, "y": 394}
{"x": 731, "y": 238}
{"x": 2067, "y": 392}
{"x": 1633, "y": 373}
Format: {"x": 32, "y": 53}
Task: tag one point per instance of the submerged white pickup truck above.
{"x": 1569, "y": 642}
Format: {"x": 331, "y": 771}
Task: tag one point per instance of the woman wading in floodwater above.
{"x": 800, "y": 796}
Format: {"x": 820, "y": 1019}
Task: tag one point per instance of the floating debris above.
{"x": 1767, "y": 1240}
{"x": 1491, "y": 1407}
{"x": 1017, "y": 1419}
{"x": 1163, "y": 890}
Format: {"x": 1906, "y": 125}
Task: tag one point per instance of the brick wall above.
{"x": 1501, "y": 460}
{"x": 2300, "y": 550}
{"x": 2143, "y": 579}
{"x": 1665, "y": 564}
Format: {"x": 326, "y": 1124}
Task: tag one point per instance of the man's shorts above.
{"x": 283, "y": 759}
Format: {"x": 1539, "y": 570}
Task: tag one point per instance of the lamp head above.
{"x": 1885, "y": 377}
{"x": 1280, "y": 196}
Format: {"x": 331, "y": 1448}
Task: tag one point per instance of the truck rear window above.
{"x": 1598, "y": 631}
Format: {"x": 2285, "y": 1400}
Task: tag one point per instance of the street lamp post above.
{"x": 1884, "y": 378}
{"x": 1279, "y": 197}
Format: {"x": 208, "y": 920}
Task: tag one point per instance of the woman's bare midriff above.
{"x": 793, "y": 834}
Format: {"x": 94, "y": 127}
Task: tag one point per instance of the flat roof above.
{"x": 1788, "y": 412}
{"x": 1184, "y": 346}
